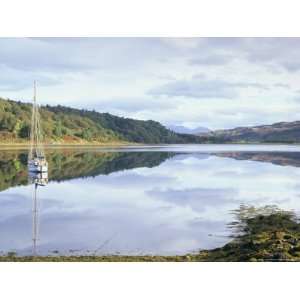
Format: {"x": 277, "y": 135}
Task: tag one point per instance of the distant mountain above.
{"x": 186, "y": 130}
{"x": 66, "y": 125}
{"x": 283, "y": 132}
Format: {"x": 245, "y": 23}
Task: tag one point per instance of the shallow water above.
{"x": 141, "y": 200}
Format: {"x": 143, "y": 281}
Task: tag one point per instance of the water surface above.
{"x": 141, "y": 200}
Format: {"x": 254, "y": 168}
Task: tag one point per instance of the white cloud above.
{"x": 211, "y": 82}
{"x": 202, "y": 88}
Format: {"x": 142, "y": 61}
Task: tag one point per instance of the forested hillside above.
{"x": 283, "y": 132}
{"x": 67, "y": 125}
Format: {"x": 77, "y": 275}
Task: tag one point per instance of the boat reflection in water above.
{"x": 38, "y": 180}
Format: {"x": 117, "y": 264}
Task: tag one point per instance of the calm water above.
{"x": 146, "y": 200}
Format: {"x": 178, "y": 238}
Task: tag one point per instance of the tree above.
{"x": 58, "y": 129}
{"x": 24, "y": 132}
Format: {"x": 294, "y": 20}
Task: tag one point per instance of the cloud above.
{"x": 158, "y": 78}
{"x": 134, "y": 180}
{"x": 131, "y": 105}
{"x": 282, "y": 53}
{"x": 194, "y": 89}
{"x": 281, "y": 85}
{"x": 213, "y": 60}
{"x": 13, "y": 79}
{"x": 197, "y": 88}
{"x": 196, "y": 198}
{"x": 79, "y": 54}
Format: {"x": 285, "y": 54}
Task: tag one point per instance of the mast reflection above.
{"x": 38, "y": 180}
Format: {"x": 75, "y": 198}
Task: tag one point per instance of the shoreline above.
{"x": 20, "y": 146}
{"x": 92, "y": 258}
{"x": 48, "y": 146}
{"x": 261, "y": 236}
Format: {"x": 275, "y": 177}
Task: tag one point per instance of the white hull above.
{"x": 35, "y": 167}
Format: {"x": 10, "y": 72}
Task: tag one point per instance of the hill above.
{"x": 69, "y": 125}
{"x": 65, "y": 125}
{"x": 283, "y": 132}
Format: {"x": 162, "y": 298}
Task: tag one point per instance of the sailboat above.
{"x": 37, "y": 162}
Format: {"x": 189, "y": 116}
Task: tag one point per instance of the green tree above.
{"x": 24, "y": 131}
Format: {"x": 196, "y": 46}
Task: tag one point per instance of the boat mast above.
{"x": 31, "y": 156}
{"x": 36, "y": 149}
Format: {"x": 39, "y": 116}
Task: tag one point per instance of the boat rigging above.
{"x": 37, "y": 162}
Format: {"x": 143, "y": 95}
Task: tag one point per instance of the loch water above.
{"x": 140, "y": 200}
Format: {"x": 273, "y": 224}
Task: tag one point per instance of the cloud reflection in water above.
{"x": 181, "y": 204}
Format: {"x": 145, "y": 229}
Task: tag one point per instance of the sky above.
{"x": 211, "y": 82}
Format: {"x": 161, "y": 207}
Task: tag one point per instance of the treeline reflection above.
{"x": 69, "y": 164}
